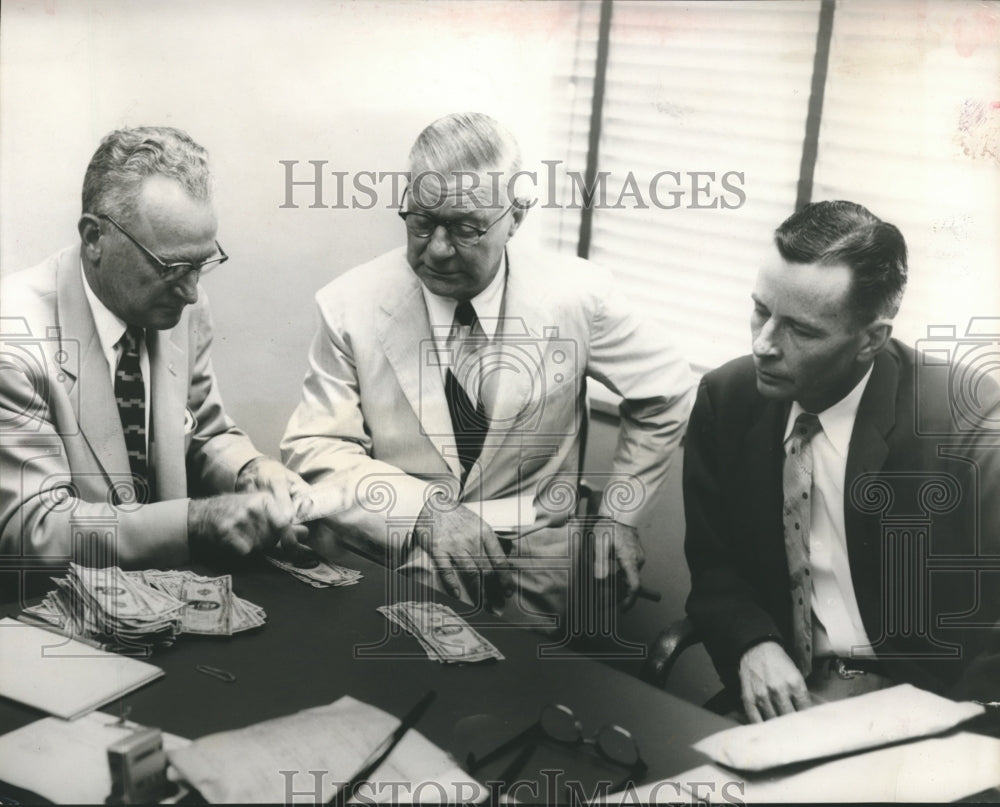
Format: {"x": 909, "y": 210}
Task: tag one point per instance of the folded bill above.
{"x": 310, "y": 567}
{"x": 444, "y": 635}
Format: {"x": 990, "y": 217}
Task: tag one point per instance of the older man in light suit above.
{"x": 111, "y": 414}
{"x": 450, "y": 375}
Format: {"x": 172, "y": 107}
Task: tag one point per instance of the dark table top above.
{"x": 321, "y": 644}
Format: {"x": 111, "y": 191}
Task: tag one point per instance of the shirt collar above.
{"x": 487, "y": 303}
{"x": 837, "y": 420}
{"x": 109, "y": 327}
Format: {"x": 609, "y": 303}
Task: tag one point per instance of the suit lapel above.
{"x": 867, "y": 454}
{"x": 764, "y": 457}
{"x": 525, "y": 328}
{"x": 168, "y": 397}
{"x": 404, "y": 331}
{"x": 96, "y": 408}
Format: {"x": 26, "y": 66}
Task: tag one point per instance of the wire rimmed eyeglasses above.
{"x": 173, "y": 271}
{"x": 557, "y": 723}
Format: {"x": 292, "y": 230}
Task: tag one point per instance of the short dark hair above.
{"x": 829, "y": 233}
{"x": 127, "y": 157}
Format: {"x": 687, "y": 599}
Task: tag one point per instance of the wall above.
{"x": 258, "y": 82}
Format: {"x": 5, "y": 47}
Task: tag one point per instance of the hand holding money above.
{"x": 241, "y": 522}
{"x": 319, "y": 501}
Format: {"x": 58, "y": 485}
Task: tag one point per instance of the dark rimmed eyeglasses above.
{"x": 172, "y": 272}
{"x": 460, "y": 233}
{"x": 558, "y": 723}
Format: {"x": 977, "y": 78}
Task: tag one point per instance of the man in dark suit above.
{"x": 836, "y": 495}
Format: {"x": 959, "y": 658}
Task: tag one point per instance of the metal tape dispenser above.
{"x": 139, "y": 768}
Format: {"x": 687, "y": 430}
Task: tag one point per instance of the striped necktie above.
{"x": 797, "y": 478}
{"x": 462, "y": 386}
{"x": 130, "y": 394}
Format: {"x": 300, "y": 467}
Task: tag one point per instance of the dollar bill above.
{"x": 444, "y": 635}
{"x": 308, "y": 566}
{"x": 144, "y": 608}
{"x": 208, "y": 607}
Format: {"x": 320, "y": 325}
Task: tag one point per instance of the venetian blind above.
{"x": 911, "y": 130}
{"x": 703, "y": 122}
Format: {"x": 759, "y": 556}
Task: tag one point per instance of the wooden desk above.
{"x": 320, "y": 644}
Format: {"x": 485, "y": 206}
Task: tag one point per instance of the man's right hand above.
{"x": 464, "y": 547}
{"x": 240, "y": 522}
{"x": 770, "y": 683}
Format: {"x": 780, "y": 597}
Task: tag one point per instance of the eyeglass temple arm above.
{"x": 509, "y": 774}
{"x": 473, "y": 763}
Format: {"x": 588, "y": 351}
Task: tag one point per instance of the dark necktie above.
{"x": 130, "y": 393}
{"x": 461, "y": 387}
{"x": 797, "y": 478}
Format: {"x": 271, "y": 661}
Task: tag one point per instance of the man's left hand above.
{"x": 617, "y": 544}
{"x": 267, "y": 475}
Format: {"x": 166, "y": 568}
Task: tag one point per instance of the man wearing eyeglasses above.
{"x": 111, "y": 415}
{"x": 446, "y": 391}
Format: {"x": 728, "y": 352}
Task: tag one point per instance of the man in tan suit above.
{"x": 110, "y": 413}
{"x": 446, "y": 391}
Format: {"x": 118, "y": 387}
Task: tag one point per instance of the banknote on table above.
{"x": 444, "y": 635}
{"x": 208, "y": 608}
{"x": 143, "y": 608}
{"x": 308, "y": 566}
{"x": 244, "y": 615}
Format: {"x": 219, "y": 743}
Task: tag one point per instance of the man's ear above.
{"x": 89, "y": 228}
{"x": 517, "y": 215}
{"x": 874, "y": 339}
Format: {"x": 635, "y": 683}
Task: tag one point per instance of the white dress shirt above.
{"x": 488, "y": 304}
{"x": 837, "y": 626}
{"x": 110, "y": 330}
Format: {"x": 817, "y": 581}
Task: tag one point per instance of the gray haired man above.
{"x": 446, "y": 391}
{"x": 110, "y": 414}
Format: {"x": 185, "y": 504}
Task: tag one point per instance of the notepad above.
{"x": 306, "y": 756}
{"x": 66, "y": 761}
{"x": 62, "y": 676}
{"x": 879, "y": 718}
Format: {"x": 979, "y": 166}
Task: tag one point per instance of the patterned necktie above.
{"x": 130, "y": 393}
{"x": 797, "y": 478}
{"x": 461, "y": 387}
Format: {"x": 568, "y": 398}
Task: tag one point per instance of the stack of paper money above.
{"x": 211, "y": 607}
{"x": 144, "y": 607}
{"x": 307, "y": 566}
{"x": 443, "y": 634}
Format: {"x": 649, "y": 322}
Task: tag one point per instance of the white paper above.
{"x": 867, "y": 721}
{"x": 934, "y": 770}
{"x": 304, "y": 757}
{"x": 66, "y": 761}
{"x": 62, "y": 676}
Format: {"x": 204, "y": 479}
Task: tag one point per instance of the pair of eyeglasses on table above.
{"x": 558, "y": 724}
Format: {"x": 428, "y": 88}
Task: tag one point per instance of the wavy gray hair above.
{"x": 127, "y": 157}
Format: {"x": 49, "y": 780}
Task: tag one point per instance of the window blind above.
{"x": 911, "y": 130}
{"x": 715, "y": 95}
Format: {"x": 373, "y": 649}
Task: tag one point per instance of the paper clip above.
{"x": 215, "y": 672}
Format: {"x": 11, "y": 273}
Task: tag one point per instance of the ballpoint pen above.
{"x": 382, "y": 750}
